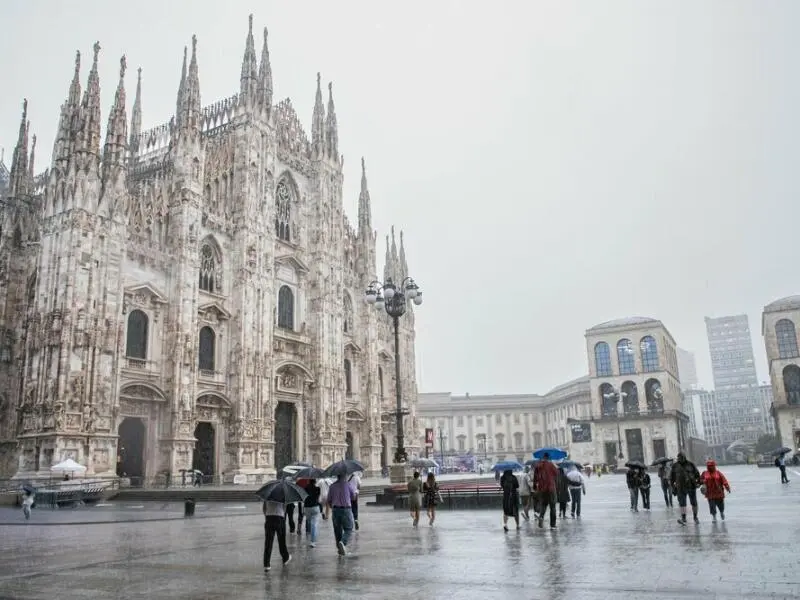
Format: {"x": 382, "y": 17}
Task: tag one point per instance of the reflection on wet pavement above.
{"x": 609, "y": 553}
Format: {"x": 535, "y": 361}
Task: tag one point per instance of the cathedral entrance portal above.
{"x": 284, "y": 434}
{"x": 204, "y": 451}
{"x": 130, "y": 449}
{"x": 348, "y": 453}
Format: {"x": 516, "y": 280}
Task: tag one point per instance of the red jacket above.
{"x": 544, "y": 478}
{"x": 715, "y": 483}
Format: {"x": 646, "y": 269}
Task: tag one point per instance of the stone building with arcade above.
{"x": 189, "y": 296}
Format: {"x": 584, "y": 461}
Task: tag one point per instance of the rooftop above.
{"x": 626, "y": 322}
{"x": 787, "y": 303}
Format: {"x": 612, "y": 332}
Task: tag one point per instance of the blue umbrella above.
{"x": 554, "y": 453}
{"x": 346, "y": 466}
{"x": 508, "y": 465}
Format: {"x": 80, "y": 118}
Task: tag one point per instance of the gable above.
{"x": 144, "y": 292}
{"x": 214, "y": 309}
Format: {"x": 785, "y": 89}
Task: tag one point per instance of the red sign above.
{"x": 429, "y": 437}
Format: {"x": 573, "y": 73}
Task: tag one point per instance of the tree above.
{"x": 767, "y": 443}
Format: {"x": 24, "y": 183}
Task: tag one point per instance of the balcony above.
{"x": 211, "y": 378}
{"x": 613, "y": 416}
{"x": 140, "y": 367}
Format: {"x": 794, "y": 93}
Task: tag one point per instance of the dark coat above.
{"x": 684, "y": 476}
{"x": 562, "y": 486}
{"x": 510, "y": 486}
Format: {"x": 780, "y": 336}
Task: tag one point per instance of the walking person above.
{"x": 27, "y": 503}
{"x": 510, "y": 487}
{"x": 715, "y": 484}
{"x": 562, "y": 493}
{"x": 644, "y": 488}
{"x": 577, "y": 488}
{"x": 684, "y": 479}
{"x": 525, "y": 492}
{"x": 545, "y": 484}
{"x": 431, "y": 489}
{"x": 666, "y": 488}
{"x": 274, "y": 525}
{"x": 355, "y": 483}
{"x": 415, "y": 498}
{"x": 632, "y": 478}
{"x": 340, "y": 497}
{"x": 313, "y": 511}
{"x": 780, "y": 462}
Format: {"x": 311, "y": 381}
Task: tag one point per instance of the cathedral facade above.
{"x": 191, "y": 296}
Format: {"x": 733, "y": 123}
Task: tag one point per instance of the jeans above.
{"x": 548, "y": 500}
{"x": 342, "y": 524}
{"x": 715, "y": 504}
{"x": 274, "y": 526}
{"x": 645, "y": 498}
{"x": 667, "y": 493}
{"x": 784, "y": 479}
{"x": 312, "y": 522}
{"x": 575, "y": 494}
{"x": 26, "y": 510}
{"x": 634, "y": 498}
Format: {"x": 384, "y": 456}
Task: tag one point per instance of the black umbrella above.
{"x": 346, "y": 466}
{"x": 781, "y": 451}
{"x": 282, "y": 491}
{"x": 635, "y": 464}
{"x": 662, "y": 461}
{"x": 308, "y": 473}
{"x": 290, "y": 470}
{"x": 532, "y": 462}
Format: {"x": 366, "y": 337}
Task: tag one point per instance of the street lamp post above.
{"x": 394, "y": 298}
{"x": 617, "y": 397}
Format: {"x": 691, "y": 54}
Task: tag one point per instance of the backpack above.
{"x": 777, "y": 462}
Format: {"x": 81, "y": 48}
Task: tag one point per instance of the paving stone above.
{"x": 609, "y": 553}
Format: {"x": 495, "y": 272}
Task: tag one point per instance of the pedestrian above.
{"x": 290, "y": 516}
{"x": 644, "y": 488}
{"x": 714, "y": 485}
{"x": 510, "y": 487}
{"x": 431, "y": 489}
{"x": 312, "y": 511}
{"x": 525, "y": 492}
{"x": 577, "y": 488}
{"x": 780, "y": 462}
{"x": 274, "y": 525}
{"x": 355, "y": 483}
{"x": 27, "y": 503}
{"x": 633, "y": 481}
{"x": 545, "y": 478}
{"x": 684, "y": 479}
{"x": 415, "y": 498}
{"x": 666, "y": 488}
{"x": 562, "y": 492}
{"x": 340, "y": 497}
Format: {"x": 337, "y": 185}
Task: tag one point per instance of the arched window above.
{"x": 630, "y": 398}
{"x": 649, "y": 351}
{"x": 348, "y": 376}
{"x": 625, "y": 358}
{"x": 209, "y": 270}
{"x": 787, "y": 339}
{"x": 283, "y": 211}
{"x": 286, "y": 307}
{"x": 207, "y": 347}
{"x": 791, "y": 384}
{"x": 348, "y": 314}
{"x": 602, "y": 359}
{"x": 608, "y": 400}
{"x": 380, "y": 380}
{"x": 136, "y": 340}
{"x": 654, "y": 395}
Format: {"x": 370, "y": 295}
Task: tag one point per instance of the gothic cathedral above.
{"x": 192, "y": 296}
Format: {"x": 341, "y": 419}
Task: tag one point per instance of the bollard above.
{"x": 188, "y": 507}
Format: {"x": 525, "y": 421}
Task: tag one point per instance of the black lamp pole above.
{"x": 394, "y": 299}
{"x": 617, "y": 397}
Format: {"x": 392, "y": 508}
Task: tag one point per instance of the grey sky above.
{"x": 553, "y": 165}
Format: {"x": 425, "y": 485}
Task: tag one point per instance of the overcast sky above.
{"x": 553, "y": 164}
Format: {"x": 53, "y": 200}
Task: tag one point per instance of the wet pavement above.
{"x": 609, "y": 553}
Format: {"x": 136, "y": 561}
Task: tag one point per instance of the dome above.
{"x": 788, "y": 303}
{"x": 626, "y": 322}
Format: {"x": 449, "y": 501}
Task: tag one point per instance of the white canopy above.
{"x": 68, "y": 466}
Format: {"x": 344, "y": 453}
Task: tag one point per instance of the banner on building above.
{"x": 581, "y": 432}
{"x": 429, "y": 437}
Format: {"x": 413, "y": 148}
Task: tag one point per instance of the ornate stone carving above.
{"x": 288, "y": 380}
{"x": 129, "y": 408}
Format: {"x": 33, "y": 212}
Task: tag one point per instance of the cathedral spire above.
{"x": 117, "y": 129}
{"x": 136, "y": 115}
{"x": 182, "y": 84}
{"x": 318, "y": 123}
{"x": 248, "y": 82}
{"x": 70, "y": 112}
{"x": 265, "y": 77}
{"x": 89, "y": 135}
{"x": 188, "y": 115}
{"x": 403, "y": 263}
{"x": 395, "y": 260}
{"x": 364, "y": 206}
{"x": 387, "y": 262}
{"x": 331, "y": 127}
{"x": 33, "y": 155}
{"x": 19, "y": 161}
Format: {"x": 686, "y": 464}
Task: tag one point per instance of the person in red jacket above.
{"x": 544, "y": 481}
{"x": 715, "y": 485}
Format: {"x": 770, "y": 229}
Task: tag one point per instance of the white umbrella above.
{"x": 68, "y": 466}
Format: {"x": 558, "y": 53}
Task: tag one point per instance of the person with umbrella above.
{"x": 780, "y": 462}
{"x": 340, "y": 497}
{"x": 633, "y": 479}
{"x": 276, "y": 495}
{"x": 510, "y": 487}
{"x": 644, "y": 487}
{"x": 545, "y": 488}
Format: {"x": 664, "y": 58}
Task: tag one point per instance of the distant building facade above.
{"x": 779, "y": 329}
{"x": 735, "y": 379}
{"x": 687, "y": 369}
